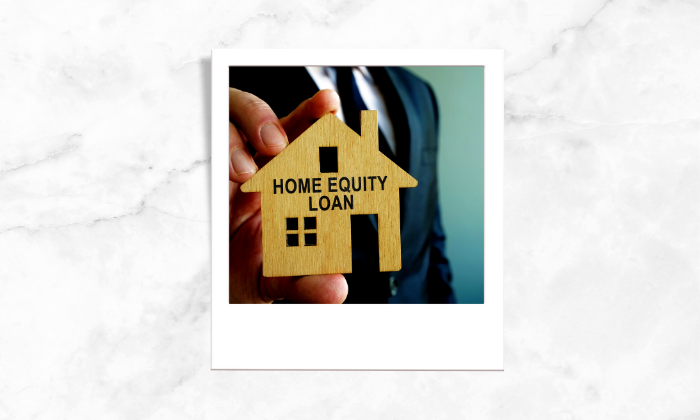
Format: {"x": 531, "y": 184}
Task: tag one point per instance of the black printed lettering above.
{"x": 304, "y": 185}
{"x": 274, "y": 184}
{"x": 359, "y": 184}
{"x": 320, "y": 203}
{"x": 311, "y": 206}
{"x": 347, "y": 184}
{"x": 336, "y": 203}
{"x": 347, "y": 202}
{"x": 286, "y": 185}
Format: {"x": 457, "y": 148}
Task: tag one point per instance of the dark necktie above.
{"x": 352, "y": 103}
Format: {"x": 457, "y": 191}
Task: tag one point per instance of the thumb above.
{"x": 309, "y": 111}
{"x": 325, "y": 288}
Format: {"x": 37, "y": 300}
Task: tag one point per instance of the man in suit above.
{"x": 408, "y": 123}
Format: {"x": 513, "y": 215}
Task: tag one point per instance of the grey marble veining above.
{"x": 104, "y": 210}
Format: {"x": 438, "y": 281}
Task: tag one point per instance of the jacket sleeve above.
{"x": 439, "y": 273}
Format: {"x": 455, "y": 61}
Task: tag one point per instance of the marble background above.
{"x": 104, "y": 209}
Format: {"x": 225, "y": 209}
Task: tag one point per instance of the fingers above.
{"x": 257, "y": 121}
{"x": 328, "y": 288}
{"x": 269, "y": 136}
{"x": 309, "y": 111}
{"x": 241, "y": 166}
{"x": 242, "y": 207}
{"x": 254, "y": 121}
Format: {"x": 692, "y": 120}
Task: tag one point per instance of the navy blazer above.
{"x": 425, "y": 275}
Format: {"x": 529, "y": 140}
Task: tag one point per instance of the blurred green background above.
{"x": 460, "y": 95}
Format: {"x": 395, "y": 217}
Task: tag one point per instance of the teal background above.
{"x": 460, "y": 96}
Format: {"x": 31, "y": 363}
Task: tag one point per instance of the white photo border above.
{"x": 360, "y": 337}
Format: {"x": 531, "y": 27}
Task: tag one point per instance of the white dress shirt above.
{"x": 326, "y": 78}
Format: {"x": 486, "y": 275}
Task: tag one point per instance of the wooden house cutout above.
{"x": 309, "y": 191}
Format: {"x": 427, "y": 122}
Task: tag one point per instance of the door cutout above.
{"x": 363, "y": 286}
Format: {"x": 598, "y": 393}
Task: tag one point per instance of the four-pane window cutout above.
{"x": 309, "y": 239}
{"x": 309, "y": 234}
{"x": 309, "y": 223}
{"x": 293, "y": 239}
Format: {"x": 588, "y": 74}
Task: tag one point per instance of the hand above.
{"x": 254, "y": 121}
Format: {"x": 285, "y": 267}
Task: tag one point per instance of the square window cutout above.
{"x": 328, "y": 158}
{"x": 309, "y": 239}
{"x": 309, "y": 223}
{"x": 292, "y": 223}
{"x": 292, "y": 239}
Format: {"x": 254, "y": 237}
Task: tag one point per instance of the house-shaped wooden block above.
{"x": 309, "y": 191}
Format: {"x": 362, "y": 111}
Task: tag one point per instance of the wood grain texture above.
{"x": 287, "y": 191}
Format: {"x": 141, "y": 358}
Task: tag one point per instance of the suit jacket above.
{"x": 425, "y": 275}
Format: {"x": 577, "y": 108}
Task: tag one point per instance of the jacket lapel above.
{"x": 395, "y": 97}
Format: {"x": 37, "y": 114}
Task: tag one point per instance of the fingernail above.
{"x": 271, "y": 136}
{"x": 241, "y": 161}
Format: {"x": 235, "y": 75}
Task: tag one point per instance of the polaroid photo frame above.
{"x": 365, "y": 336}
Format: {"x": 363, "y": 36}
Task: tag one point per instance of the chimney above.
{"x": 369, "y": 129}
